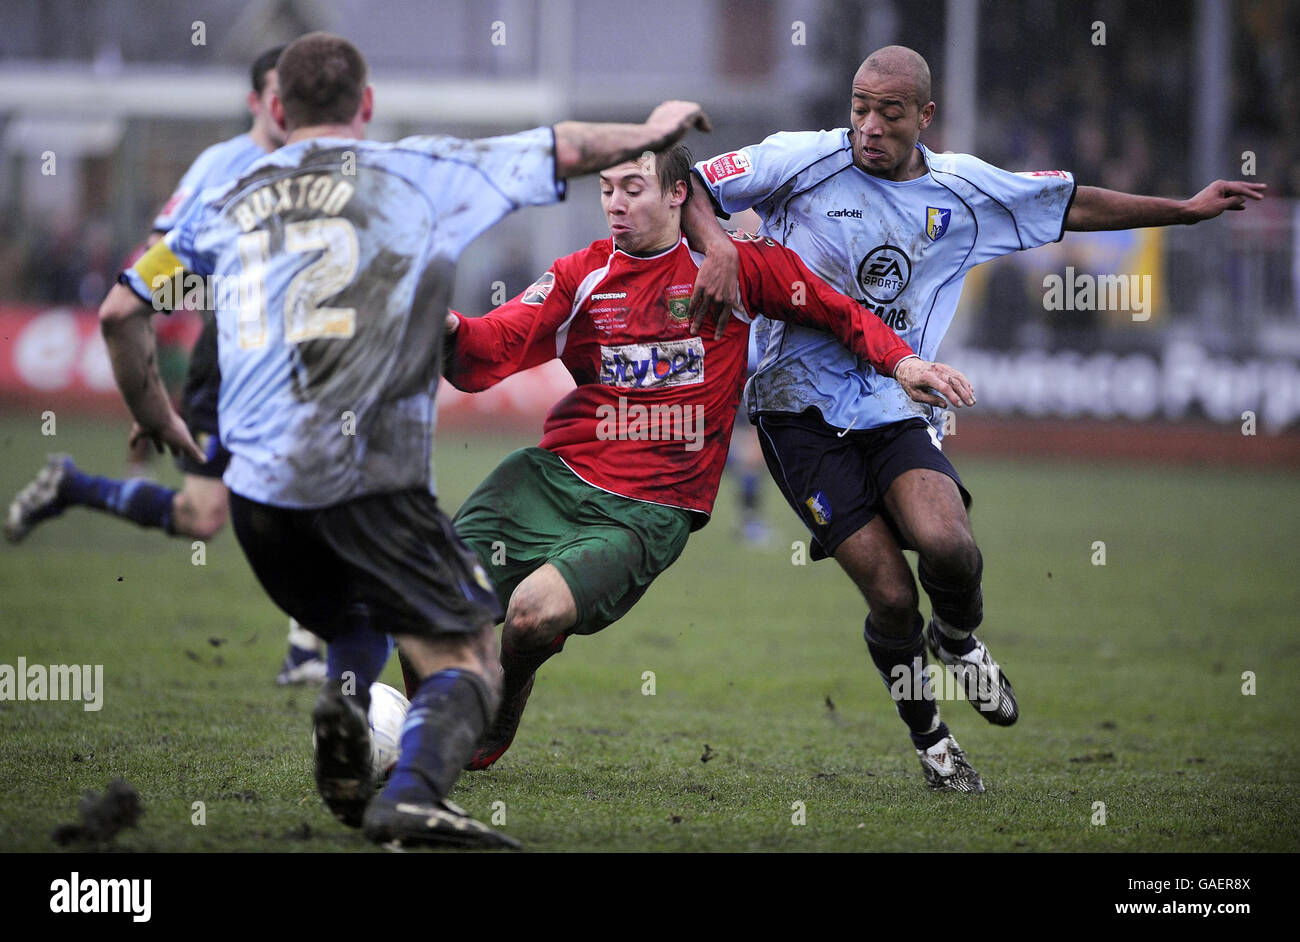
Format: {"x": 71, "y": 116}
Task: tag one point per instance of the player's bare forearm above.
{"x": 127, "y": 325}
{"x": 700, "y": 225}
{"x": 717, "y": 283}
{"x": 582, "y": 147}
{"x": 1095, "y": 208}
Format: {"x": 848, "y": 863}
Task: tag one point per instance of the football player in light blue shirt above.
{"x": 888, "y": 221}
{"x": 198, "y": 509}
{"x": 330, "y": 264}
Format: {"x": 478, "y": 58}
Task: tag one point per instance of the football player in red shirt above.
{"x": 574, "y": 531}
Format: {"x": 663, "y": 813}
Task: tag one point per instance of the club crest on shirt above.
{"x": 679, "y": 300}
{"x": 936, "y": 222}
{"x": 820, "y": 507}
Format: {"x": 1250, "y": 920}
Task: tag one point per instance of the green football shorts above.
{"x": 533, "y": 510}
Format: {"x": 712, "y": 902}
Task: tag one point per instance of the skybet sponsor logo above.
{"x": 657, "y": 422}
{"x": 654, "y": 365}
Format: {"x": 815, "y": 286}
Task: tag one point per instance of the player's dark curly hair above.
{"x": 321, "y": 77}
{"x": 261, "y": 65}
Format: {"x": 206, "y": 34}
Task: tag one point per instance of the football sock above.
{"x": 361, "y": 652}
{"x": 958, "y": 607}
{"x": 143, "y": 501}
{"x": 448, "y": 714}
{"x": 518, "y": 665}
{"x": 901, "y": 663}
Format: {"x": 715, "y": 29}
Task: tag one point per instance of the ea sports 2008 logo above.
{"x": 884, "y": 273}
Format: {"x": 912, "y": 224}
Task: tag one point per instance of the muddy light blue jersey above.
{"x": 332, "y": 264}
{"x": 901, "y": 249}
{"x": 220, "y": 163}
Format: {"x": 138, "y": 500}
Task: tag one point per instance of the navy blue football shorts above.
{"x": 837, "y": 483}
{"x": 392, "y": 559}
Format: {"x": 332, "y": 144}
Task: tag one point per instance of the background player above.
{"x": 835, "y": 431}
{"x": 198, "y": 509}
{"x": 575, "y": 530}
{"x": 342, "y": 253}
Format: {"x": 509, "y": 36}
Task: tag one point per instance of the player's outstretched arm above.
{"x": 922, "y": 380}
{"x": 1094, "y": 208}
{"x": 482, "y": 351}
{"x": 581, "y": 147}
{"x": 126, "y": 324}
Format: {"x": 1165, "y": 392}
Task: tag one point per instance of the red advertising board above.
{"x": 54, "y": 358}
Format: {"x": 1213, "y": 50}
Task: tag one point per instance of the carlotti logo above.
{"x": 655, "y": 365}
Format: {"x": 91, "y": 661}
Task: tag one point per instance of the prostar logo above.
{"x": 653, "y": 365}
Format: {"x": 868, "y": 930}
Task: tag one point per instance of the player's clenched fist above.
{"x": 921, "y": 380}
{"x": 581, "y": 147}
{"x": 675, "y": 118}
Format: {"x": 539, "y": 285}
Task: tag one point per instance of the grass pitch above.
{"x": 766, "y": 710}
